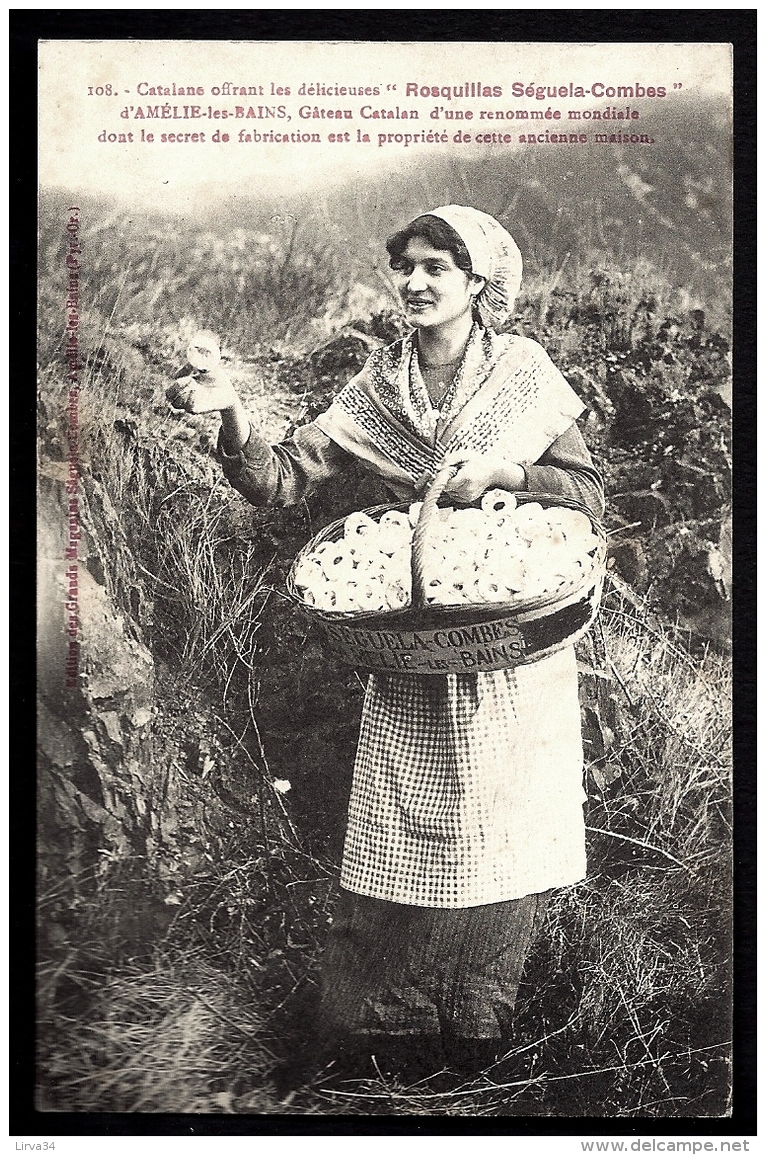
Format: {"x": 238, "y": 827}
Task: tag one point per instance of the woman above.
{"x": 466, "y": 805}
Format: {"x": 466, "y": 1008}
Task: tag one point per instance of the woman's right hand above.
{"x": 210, "y": 391}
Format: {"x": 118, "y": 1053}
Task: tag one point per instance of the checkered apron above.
{"x": 468, "y": 789}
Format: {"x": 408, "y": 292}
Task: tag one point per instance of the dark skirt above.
{"x": 391, "y": 969}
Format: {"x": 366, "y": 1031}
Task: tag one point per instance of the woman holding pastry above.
{"x": 466, "y": 805}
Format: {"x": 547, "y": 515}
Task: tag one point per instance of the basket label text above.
{"x": 458, "y": 649}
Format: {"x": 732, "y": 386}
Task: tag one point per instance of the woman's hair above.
{"x": 435, "y": 232}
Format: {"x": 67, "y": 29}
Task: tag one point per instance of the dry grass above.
{"x": 170, "y": 1037}
{"x": 623, "y": 1012}
{"x": 256, "y": 286}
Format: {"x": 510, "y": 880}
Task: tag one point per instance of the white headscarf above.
{"x": 494, "y": 256}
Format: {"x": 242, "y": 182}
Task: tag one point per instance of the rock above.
{"x": 95, "y": 704}
{"x": 648, "y": 507}
{"x": 630, "y": 558}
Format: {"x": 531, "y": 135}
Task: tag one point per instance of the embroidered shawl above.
{"x": 507, "y": 396}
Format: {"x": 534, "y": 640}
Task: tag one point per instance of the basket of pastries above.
{"x": 427, "y": 588}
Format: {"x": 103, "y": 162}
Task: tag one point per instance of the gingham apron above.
{"x": 467, "y": 788}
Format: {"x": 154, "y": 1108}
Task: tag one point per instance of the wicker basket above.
{"x": 430, "y": 639}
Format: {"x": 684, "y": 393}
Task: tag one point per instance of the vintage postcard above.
{"x": 435, "y": 820}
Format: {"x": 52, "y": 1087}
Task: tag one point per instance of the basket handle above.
{"x": 424, "y": 522}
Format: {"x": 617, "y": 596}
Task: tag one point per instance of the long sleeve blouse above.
{"x": 283, "y": 474}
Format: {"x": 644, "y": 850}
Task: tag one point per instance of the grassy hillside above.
{"x": 175, "y": 972}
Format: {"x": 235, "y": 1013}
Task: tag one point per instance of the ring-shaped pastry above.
{"x": 498, "y": 502}
{"x": 359, "y": 525}
{"x": 338, "y": 563}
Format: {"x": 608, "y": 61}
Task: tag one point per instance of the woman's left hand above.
{"x": 478, "y": 472}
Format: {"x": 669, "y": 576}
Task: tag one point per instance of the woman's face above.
{"x": 433, "y": 290}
